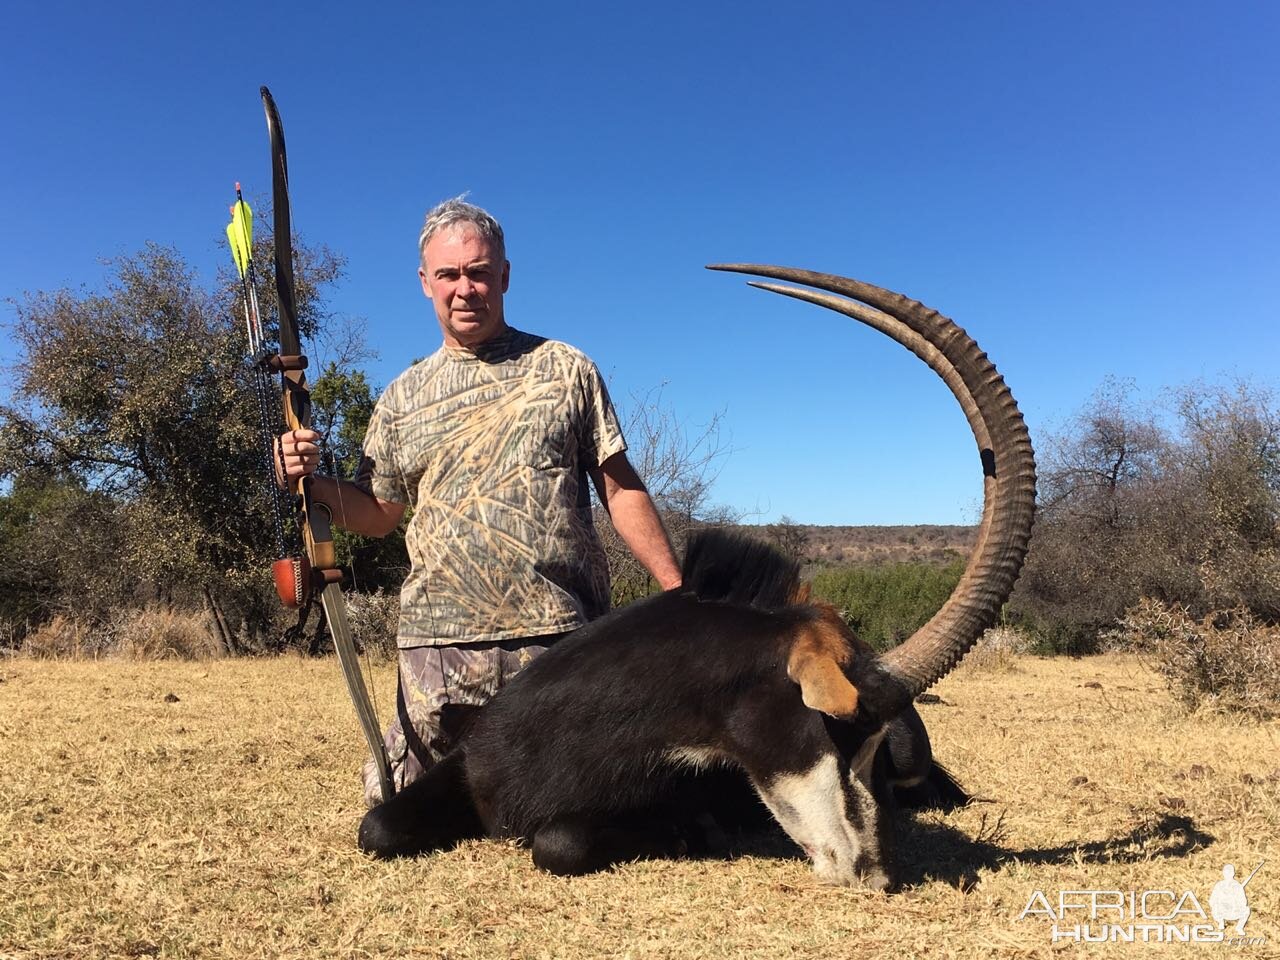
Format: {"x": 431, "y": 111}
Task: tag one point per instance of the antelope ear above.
{"x": 818, "y": 653}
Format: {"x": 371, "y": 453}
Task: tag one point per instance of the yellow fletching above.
{"x": 240, "y": 235}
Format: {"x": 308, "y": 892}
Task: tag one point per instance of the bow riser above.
{"x": 313, "y": 518}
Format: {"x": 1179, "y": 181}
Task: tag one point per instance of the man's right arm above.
{"x": 351, "y": 506}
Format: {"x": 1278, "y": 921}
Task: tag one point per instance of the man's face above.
{"x": 465, "y": 283}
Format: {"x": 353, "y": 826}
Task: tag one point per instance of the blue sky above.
{"x": 1090, "y": 189}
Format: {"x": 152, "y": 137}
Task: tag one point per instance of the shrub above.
{"x": 158, "y": 633}
{"x": 374, "y": 619}
{"x": 885, "y": 605}
{"x": 1184, "y": 509}
{"x": 1227, "y": 659}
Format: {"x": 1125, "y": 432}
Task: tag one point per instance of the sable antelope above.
{"x": 583, "y": 753}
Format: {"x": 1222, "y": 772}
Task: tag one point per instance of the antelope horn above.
{"x": 1008, "y": 468}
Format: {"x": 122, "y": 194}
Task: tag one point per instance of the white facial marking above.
{"x": 810, "y": 807}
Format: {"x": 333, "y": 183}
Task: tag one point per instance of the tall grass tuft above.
{"x": 159, "y": 633}
{"x": 997, "y": 650}
{"x": 62, "y": 638}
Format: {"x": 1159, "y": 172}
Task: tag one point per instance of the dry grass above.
{"x": 219, "y": 822}
{"x": 63, "y": 638}
{"x": 149, "y": 633}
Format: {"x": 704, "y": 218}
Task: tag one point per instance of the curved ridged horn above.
{"x": 1008, "y": 466}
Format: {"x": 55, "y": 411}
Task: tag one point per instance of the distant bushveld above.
{"x": 824, "y": 546}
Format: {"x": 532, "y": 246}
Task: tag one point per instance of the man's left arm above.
{"x": 636, "y": 519}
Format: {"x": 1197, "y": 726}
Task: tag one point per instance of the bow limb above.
{"x": 314, "y": 520}
{"x": 335, "y": 611}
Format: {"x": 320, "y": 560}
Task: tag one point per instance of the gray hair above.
{"x": 457, "y": 211}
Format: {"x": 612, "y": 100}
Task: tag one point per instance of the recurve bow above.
{"x": 299, "y": 577}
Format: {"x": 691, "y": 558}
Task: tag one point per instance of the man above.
{"x": 490, "y": 441}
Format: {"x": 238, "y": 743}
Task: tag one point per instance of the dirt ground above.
{"x": 209, "y": 810}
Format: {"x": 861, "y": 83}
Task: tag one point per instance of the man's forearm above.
{"x": 355, "y": 510}
{"x": 637, "y": 522}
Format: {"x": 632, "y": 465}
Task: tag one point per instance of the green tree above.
{"x": 52, "y": 533}
{"x": 343, "y": 403}
{"x": 131, "y": 420}
{"x": 885, "y": 604}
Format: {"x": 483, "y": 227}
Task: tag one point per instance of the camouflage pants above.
{"x": 431, "y": 677}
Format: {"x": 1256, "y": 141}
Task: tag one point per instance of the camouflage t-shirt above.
{"x": 490, "y": 448}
